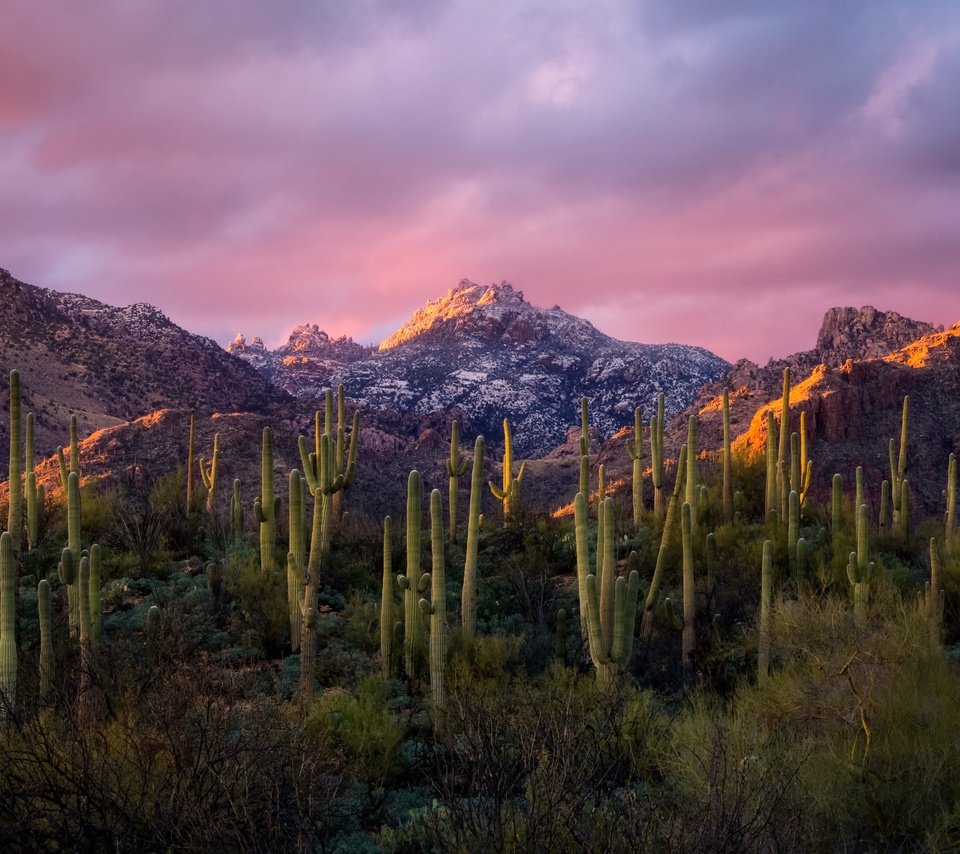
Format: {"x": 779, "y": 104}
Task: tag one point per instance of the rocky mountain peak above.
{"x": 865, "y": 333}
{"x": 484, "y": 312}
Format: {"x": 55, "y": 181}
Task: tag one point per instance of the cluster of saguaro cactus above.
{"x": 609, "y": 602}
{"x": 468, "y": 598}
{"x": 635, "y": 452}
{"x": 509, "y": 493}
{"x": 456, "y": 468}
{"x": 436, "y": 608}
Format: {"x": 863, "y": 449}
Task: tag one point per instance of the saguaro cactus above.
{"x": 933, "y": 596}
{"x": 689, "y": 640}
{"x": 766, "y": 596}
{"x": 46, "y": 641}
{"x": 456, "y": 468}
{"x": 771, "y": 494}
{"x": 692, "y": 492}
{"x": 208, "y": 473}
{"x": 898, "y": 466}
{"x": 267, "y": 505}
{"x": 386, "y": 602}
{"x": 436, "y": 608}
{"x": 236, "y": 513}
{"x": 784, "y": 443}
{"x": 509, "y": 494}
{"x": 635, "y": 452}
{"x": 74, "y": 466}
{"x": 727, "y": 462}
{"x": 34, "y": 494}
{"x": 610, "y": 603}
{"x": 411, "y": 583}
{"x": 296, "y": 557}
{"x": 468, "y": 598}
{"x": 859, "y": 578}
{"x": 584, "y": 447}
{"x": 656, "y": 457}
{"x": 15, "y": 510}
{"x": 191, "y": 444}
{"x": 8, "y": 642}
{"x": 951, "y": 518}
{"x": 793, "y": 531}
{"x": 73, "y": 544}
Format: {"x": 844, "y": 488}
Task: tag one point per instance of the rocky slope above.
{"x": 490, "y": 353}
{"x": 108, "y": 365}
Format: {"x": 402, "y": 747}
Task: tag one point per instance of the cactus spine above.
{"x": 265, "y": 507}
{"x": 8, "y": 642}
{"x": 612, "y": 609}
{"x": 386, "y": 602}
{"x": 436, "y": 608}
{"x": 727, "y": 462}
{"x": 509, "y": 494}
{"x": 656, "y": 457}
{"x": 646, "y": 626}
{"x": 15, "y": 510}
{"x": 456, "y": 468}
{"x": 689, "y": 640}
{"x": 208, "y": 473}
{"x": 412, "y": 582}
{"x": 635, "y": 451}
{"x": 46, "y": 641}
{"x": 766, "y": 596}
{"x": 468, "y": 598}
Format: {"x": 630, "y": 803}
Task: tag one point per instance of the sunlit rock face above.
{"x": 487, "y": 351}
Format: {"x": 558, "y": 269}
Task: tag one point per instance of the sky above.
{"x": 708, "y": 173}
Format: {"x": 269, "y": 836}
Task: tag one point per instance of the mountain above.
{"x": 488, "y": 352}
{"x": 851, "y": 386}
{"x": 109, "y": 365}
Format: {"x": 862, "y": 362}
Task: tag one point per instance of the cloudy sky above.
{"x": 673, "y": 170}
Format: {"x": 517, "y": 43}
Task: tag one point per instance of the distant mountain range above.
{"x": 486, "y": 352}
{"x": 479, "y": 353}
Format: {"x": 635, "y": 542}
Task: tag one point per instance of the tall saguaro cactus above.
{"x": 436, "y": 608}
{"x": 34, "y": 494}
{"x": 783, "y": 445}
{"x": 8, "y": 642}
{"x": 344, "y": 452}
{"x": 412, "y": 582}
{"x": 656, "y": 457}
{"x": 296, "y": 556}
{"x": 386, "y": 601}
{"x": 468, "y": 598}
{"x": 692, "y": 486}
{"x": 951, "y": 518}
{"x": 236, "y": 513}
{"x": 689, "y": 640}
{"x": 208, "y": 473}
{"x": 766, "y": 596}
{"x": 727, "y": 462}
{"x": 584, "y": 447}
{"x": 456, "y": 468}
{"x": 191, "y": 445}
{"x": 74, "y": 465}
{"x": 15, "y": 510}
{"x": 635, "y": 452}
{"x": 771, "y": 495}
{"x": 267, "y": 505}
{"x": 509, "y": 494}
{"x": 898, "y": 464}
